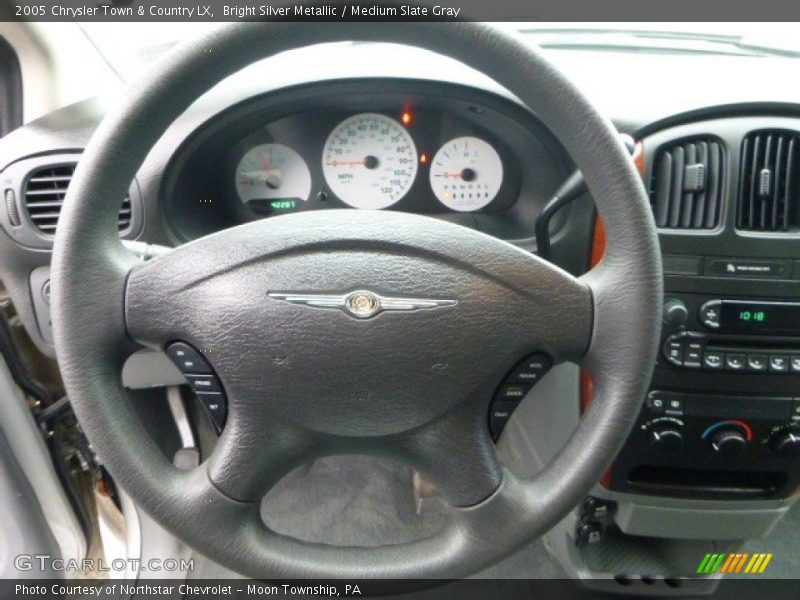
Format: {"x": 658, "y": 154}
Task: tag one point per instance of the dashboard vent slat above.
{"x": 44, "y": 191}
{"x": 686, "y": 184}
{"x": 769, "y": 199}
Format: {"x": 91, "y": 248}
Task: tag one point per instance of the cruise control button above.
{"x": 217, "y": 408}
{"x": 203, "y": 383}
{"x": 778, "y": 363}
{"x": 756, "y": 362}
{"x": 794, "y": 363}
{"x": 499, "y": 415}
{"x": 735, "y": 362}
{"x": 713, "y": 360}
{"x": 530, "y": 370}
{"x": 187, "y": 359}
{"x": 511, "y": 392}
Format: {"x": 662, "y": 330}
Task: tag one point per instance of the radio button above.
{"x": 735, "y": 362}
{"x": 756, "y": 362}
{"x": 715, "y": 360}
{"x": 693, "y": 355}
{"x": 778, "y": 363}
{"x": 674, "y": 352}
{"x": 709, "y": 313}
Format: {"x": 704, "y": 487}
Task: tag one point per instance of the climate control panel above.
{"x": 706, "y": 445}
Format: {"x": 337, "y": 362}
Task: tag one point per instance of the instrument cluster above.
{"x": 371, "y": 161}
{"x": 441, "y": 154}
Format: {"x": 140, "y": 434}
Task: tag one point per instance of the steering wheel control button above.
{"x": 709, "y": 313}
{"x": 735, "y": 361}
{"x": 217, "y": 407}
{"x": 187, "y": 359}
{"x": 511, "y": 392}
{"x": 794, "y": 363}
{"x": 204, "y": 383}
{"x": 499, "y": 416}
{"x": 530, "y": 370}
{"x": 778, "y": 363}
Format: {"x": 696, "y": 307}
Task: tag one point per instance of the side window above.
{"x": 10, "y": 89}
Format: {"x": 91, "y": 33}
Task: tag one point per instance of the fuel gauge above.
{"x": 466, "y": 174}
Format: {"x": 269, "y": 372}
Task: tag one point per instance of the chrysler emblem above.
{"x": 361, "y": 304}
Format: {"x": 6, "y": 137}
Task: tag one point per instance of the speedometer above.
{"x": 466, "y": 174}
{"x": 369, "y": 161}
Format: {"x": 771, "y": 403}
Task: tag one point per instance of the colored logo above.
{"x": 735, "y": 562}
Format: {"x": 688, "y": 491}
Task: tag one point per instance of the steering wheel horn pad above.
{"x": 304, "y": 380}
{"x": 354, "y": 384}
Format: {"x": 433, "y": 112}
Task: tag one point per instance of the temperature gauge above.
{"x": 466, "y": 174}
{"x": 273, "y": 177}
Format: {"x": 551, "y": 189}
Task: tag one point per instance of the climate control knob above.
{"x": 665, "y": 438}
{"x": 786, "y": 444}
{"x": 729, "y": 442}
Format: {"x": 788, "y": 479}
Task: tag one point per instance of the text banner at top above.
{"x": 444, "y": 10}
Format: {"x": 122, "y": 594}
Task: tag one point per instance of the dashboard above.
{"x": 721, "y": 423}
{"x": 446, "y": 151}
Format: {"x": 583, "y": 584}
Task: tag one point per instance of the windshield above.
{"x": 129, "y": 47}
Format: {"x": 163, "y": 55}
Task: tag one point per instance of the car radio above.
{"x": 722, "y": 418}
{"x": 734, "y": 335}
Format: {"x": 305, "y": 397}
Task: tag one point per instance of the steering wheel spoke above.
{"x": 456, "y": 455}
{"x": 253, "y": 455}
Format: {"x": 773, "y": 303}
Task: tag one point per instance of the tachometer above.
{"x": 466, "y": 174}
{"x": 369, "y": 161}
{"x": 273, "y": 176}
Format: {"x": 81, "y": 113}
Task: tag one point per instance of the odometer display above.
{"x": 369, "y": 161}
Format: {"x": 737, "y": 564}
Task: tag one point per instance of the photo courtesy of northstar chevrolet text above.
{"x": 416, "y": 300}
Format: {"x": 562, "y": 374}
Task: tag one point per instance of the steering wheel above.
{"x": 304, "y": 382}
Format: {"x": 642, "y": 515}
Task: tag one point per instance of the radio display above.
{"x": 778, "y": 318}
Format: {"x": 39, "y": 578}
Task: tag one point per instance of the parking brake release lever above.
{"x": 573, "y": 186}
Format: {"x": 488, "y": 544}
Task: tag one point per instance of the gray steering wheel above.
{"x": 304, "y": 383}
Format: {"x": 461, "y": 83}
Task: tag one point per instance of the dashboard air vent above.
{"x": 686, "y": 184}
{"x": 44, "y": 193}
{"x": 769, "y": 189}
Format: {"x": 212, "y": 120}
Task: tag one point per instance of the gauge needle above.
{"x": 264, "y": 162}
{"x": 345, "y": 163}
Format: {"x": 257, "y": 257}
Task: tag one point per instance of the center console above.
{"x": 722, "y": 419}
